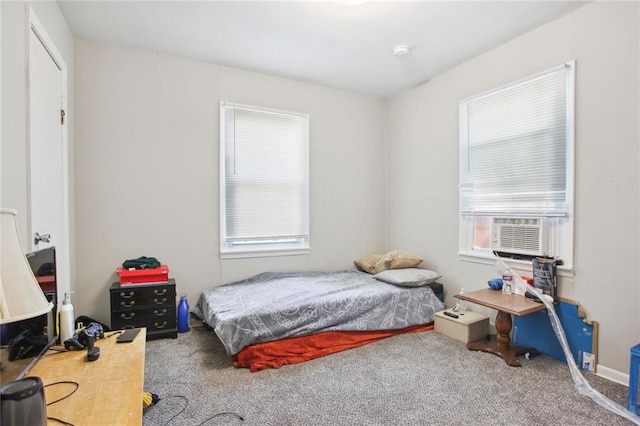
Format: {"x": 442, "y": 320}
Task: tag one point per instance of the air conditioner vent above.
{"x": 519, "y": 235}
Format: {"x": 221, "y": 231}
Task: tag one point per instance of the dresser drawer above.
{"x": 143, "y": 315}
{"x": 154, "y": 325}
{"x": 125, "y": 298}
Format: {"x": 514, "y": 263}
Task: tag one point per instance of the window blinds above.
{"x": 513, "y": 144}
{"x": 265, "y": 175}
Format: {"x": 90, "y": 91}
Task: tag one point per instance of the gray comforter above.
{"x": 272, "y": 306}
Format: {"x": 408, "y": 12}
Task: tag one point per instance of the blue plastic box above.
{"x": 634, "y": 400}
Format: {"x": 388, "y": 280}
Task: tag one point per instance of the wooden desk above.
{"x": 110, "y": 388}
{"x": 506, "y": 305}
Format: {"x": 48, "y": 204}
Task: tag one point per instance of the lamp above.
{"x": 20, "y": 294}
{"x": 23, "y": 400}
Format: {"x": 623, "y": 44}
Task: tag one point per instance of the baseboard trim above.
{"x": 613, "y": 375}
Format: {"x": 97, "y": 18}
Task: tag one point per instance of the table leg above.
{"x": 501, "y": 344}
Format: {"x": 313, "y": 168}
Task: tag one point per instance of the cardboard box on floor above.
{"x": 582, "y": 334}
{"x": 468, "y": 327}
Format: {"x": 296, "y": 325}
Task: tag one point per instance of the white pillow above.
{"x": 408, "y": 277}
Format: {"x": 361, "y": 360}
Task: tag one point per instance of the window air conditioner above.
{"x": 518, "y": 235}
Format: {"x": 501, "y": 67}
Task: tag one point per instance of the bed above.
{"x": 273, "y": 319}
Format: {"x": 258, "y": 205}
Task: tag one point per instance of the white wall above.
{"x": 14, "y": 160}
{"x": 147, "y": 169}
{"x": 146, "y": 162}
{"x": 423, "y": 164}
{"x": 1, "y": 118}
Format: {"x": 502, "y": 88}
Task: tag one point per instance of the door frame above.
{"x": 34, "y": 28}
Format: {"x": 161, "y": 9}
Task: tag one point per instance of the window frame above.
{"x": 560, "y": 230}
{"x": 259, "y": 248}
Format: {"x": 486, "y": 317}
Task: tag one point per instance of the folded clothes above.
{"x": 143, "y": 262}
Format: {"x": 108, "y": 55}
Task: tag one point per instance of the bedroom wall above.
{"x": 13, "y": 158}
{"x": 423, "y": 165}
{"x": 146, "y": 163}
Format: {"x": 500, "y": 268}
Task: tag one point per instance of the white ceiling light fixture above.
{"x": 401, "y": 50}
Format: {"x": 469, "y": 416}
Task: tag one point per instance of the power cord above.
{"x": 55, "y": 419}
{"x": 179, "y": 412}
{"x": 63, "y": 382}
{"x": 187, "y": 404}
{"x": 220, "y": 414}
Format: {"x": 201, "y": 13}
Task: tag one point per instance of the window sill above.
{"x": 246, "y": 254}
{"x": 521, "y": 266}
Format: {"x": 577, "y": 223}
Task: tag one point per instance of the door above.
{"x": 48, "y": 175}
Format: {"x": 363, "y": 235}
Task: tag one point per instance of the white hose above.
{"x": 580, "y": 382}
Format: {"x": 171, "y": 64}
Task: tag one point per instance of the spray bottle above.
{"x": 67, "y": 325}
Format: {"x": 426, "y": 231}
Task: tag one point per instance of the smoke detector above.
{"x": 401, "y": 50}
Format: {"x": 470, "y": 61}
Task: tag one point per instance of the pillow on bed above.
{"x": 368, "y": 263}
{"x": 407, "y": 277}
{"x": 398, "y": 259}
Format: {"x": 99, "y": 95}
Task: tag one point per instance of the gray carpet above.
{"x": 412, "y": 379}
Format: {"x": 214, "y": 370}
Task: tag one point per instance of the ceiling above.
{"x": 321, "y": 42}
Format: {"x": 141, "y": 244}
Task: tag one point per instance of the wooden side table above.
{"x": 109, "y": 388}
{"x": 506, "y": 305}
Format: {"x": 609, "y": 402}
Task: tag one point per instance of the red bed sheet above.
{"x": 262, "y": 356}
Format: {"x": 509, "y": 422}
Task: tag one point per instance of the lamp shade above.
{"x": 20, "y": 294}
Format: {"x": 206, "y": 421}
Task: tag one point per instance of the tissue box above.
{"x": 468, "y": 327}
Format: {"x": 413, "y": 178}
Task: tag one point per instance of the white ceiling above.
{"x": 346, "y": 47}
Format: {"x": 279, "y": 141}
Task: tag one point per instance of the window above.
{"x": 516, "y": 168}
{"x": 264, "y": 181}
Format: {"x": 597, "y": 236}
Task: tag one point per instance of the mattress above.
{"x": 273, "y": 306}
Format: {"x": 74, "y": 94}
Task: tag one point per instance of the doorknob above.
{"x": 44, "y": 238}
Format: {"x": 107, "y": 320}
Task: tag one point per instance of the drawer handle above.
{"x": 159, "y": 313}
{"x": 128, "y": 317}
{"x": 127, "y": 305}
{"x": 160, "y": 301}
{"x": 127, "y": 295}
{"x": 160, "y": 293}
{"x": 163, "y": 325}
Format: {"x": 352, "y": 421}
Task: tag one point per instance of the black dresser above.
{"x": 145, "y": 305}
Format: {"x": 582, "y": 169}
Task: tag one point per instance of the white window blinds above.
{"x": 514, "y": 147}
{"x": 265, "y": 188}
